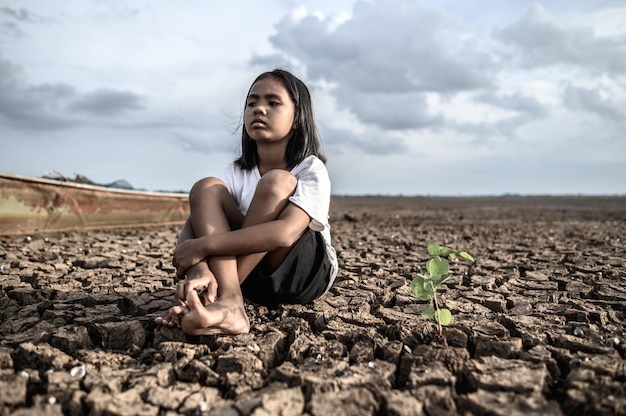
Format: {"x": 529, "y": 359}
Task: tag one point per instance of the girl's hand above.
{"x": 187, "y": 254}
{"x": 206, "y": 284}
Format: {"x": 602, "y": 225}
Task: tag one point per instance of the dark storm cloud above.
{"x": 541, "y": 40}
{"x": 107, "y": 102}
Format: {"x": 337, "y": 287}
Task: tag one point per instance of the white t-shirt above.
{"x": 312, "y": 195}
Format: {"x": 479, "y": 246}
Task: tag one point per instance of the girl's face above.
{"x": 269, "y": 112}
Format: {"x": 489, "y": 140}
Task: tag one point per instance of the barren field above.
{"x": 538, "y": 322}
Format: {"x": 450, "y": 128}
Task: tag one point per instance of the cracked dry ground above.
{"x": 538, "y": 321}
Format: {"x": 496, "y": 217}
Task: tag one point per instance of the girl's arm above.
{"x": 280, "y": 233}
{"x": 186, "y": 233}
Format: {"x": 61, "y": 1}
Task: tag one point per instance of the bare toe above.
{"x": 228, "y": 318}
{"x": 172, "y": 317}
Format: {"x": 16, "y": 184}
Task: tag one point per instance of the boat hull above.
{"x": 36, "y": 205}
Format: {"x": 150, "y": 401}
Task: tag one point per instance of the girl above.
{"x": 259, "y": 230}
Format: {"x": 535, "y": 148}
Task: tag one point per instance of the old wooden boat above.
{"x": 39, "y": 205}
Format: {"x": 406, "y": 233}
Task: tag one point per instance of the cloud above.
{"x": 206, "y": 142}
{"x": 31, "y": 107}
{"x": 542, "y": 40}
{"x": 383, "y": 62}
{"x": 593, "y": 101}
{"x": 10, "y": 30}
{"x": 107, "y": 102}
{"x": 386, "y": 61}
{"x": 407, "y": 67}
{"x": 515, "y": 110}
{"x": 22, "y": 15}
{"x": 271, "y": 61}
{"x": 375, "y": 141}
{"x": 392, "y": 46}
{"x": 11, "y": 25}
{"x": 56, "y": 106}
{"x": 517, "y": 102}
{"x": 396, "y": 111}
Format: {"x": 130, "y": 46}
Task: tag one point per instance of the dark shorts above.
{"x": 302, "y": 277}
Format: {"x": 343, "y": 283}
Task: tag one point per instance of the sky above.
{"x": 448, "y": 97}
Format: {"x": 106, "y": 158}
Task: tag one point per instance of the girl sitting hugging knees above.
{"x": 260, "y": 230}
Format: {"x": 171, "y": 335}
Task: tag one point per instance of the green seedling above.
{"x": 424, "y": 286}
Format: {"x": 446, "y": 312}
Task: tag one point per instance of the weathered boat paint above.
{"x": 36, "y": 205}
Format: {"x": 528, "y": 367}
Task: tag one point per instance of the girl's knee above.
{"x": 277, "y": 182}
{"x": 201, "y": 187}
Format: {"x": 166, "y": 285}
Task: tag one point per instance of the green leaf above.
{"x": 421, "y": 286}
{"x": 435, "y": 250}
{"x": 428, "y": 312}
{"x": 418, "y": 281}
{"x": 439, "y": 279}
{"x": 437, "y": 266}
{"x": 466, "y": 256}
{"x": 444, "y": 316}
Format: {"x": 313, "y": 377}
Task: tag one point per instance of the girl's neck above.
{"x": 271, "y": 158}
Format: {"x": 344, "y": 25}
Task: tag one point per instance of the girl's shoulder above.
{"x": 311, "y": 162}
{"x": 311, "y": 169}
{"x": 230, "y": 169}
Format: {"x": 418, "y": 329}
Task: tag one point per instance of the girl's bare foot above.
{"x": 224, "y": 316}
{"x": 173, "y": 317}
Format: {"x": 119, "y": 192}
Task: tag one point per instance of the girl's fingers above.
{"x": 198, "y": 283}
{"x": 206, "y": 284}
{"x": 181, "y": 293}
{"x": 211, "y": 291}
{"x": 193, "y": 300}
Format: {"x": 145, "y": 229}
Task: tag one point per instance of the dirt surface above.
{"x": 538, "y": 322}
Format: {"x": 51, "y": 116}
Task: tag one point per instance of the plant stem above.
{"x": 437, "y": 315}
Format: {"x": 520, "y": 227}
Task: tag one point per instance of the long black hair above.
{"x": 304, "y": 141}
